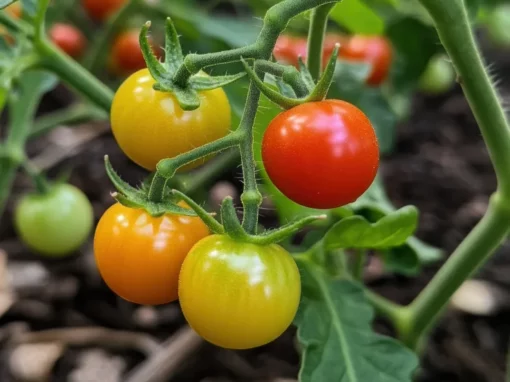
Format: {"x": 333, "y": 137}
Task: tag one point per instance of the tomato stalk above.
{"x": 316, "y": 35}
{"x": 452, "y": 22}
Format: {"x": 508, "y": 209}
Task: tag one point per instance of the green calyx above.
{"x": 294, "y": 87}
{"x": 165, "y": 72}
{"x": 143, "y": 198}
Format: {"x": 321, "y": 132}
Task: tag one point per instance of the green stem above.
{"x": 103, "y": 38}
{"x": 203, "y": 176}
{"x": 74, "y": 114}
{"x": 454, "y": 29}
{"x": 288, "y": 73}
{"x": 358, "y": 265}
{"x": 41, "y": 184}
{"x": 318, "y": 24}
{"x": 157, "y": 188}
{"x": 385, "y": 307}
{"x": 75, "y": 75}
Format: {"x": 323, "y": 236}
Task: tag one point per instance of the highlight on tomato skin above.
{"x": 68, "y": 38}
{"x": 239, "y": 295}
{"x": 139, "y": 256}
{"x": 321, "y": 155}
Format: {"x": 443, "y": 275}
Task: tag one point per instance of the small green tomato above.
{"x": 55, "y": 223}
{"x": 438, "y": 77}
{"x": 498, "y": 25}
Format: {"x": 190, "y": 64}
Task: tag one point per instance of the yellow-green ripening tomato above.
{"x": 56, "y": 223}
{"x": 149, "y": 125}
{"x": 239, "y": 295}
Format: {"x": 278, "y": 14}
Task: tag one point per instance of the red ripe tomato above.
{"x": 127, "y": 57}
{"x": 375, "y": 50}
{"x": 321, "y": 154}
{"x": 100, "y": 10}
{"x": 289, "y": 48}
{"x": 140, "y": 256}
{"x": 68, "y": 38}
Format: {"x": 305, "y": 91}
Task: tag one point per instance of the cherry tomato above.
{"x": 14, "y": 10}
{"x": 56, "y": 223}
{"x": 498, "y": 25}
{"x": 289, "y": 48}
{"x": 139, "y": 256}
{"x": 150, "y": 125}
{"x": 126, "y": 57}
{"x": 239, "y": 295}
{"x": 438, "y": 77}
{"x": 376, "y": 50}
{"x": 68, "y": 38}
{"x": 100, "y": 10}
{"x": 321, "y": 154}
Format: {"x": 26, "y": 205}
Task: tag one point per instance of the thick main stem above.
{"x": 455, "y": 32}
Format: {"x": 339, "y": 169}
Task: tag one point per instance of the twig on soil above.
{"x": 163, "y": 364}
{"x": 93, "y": 336}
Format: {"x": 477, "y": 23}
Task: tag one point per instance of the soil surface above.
{"x": 440, "y": 165}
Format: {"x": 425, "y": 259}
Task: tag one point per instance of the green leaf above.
{"x": 357, "y": 17}
{"x": 29, "y": 7}
{"x": 335, "y": 330}
{"x": 200, "y": 82}
{"x": 356, "y": 232}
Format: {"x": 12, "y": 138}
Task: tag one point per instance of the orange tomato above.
{"x": 139, "y": 256}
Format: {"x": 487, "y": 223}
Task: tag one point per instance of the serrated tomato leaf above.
{"x": 338, "y": 342}
{"x": 390, "y": 231}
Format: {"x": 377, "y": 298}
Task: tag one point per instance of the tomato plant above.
{"x": 68, "y": 38}
{"x": 303, "y": 146}
{"x": 169, "y": 130}
{"x": 140, "y": 256}
{"x": 309, "y": 136}
{"x": 239, "y": 295}
{"x": 55, "y": 223}
{"x": 100, "y": 10}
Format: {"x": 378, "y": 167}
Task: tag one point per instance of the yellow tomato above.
{"x": 239, "y": 295}
{"x": 150, "y": 125}
{"x": 140, "y": 256}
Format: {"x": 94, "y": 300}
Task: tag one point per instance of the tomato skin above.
{"x": 438, "y": 77}
{"x": 68, "y": 38}
{"x": 126, "y": 57}
{"x": 238, "y": 295}
{"x": 321, "y": 154}
{"x": 139, "y": 256}
{"x": 54, "y": 224}
{"x": 498, "y": 25}
{"x": 376, "y": 50}
{"x": 100, "y": 10}
{"x": 150, "y": 125}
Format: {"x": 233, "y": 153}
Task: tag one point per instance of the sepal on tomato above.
{"x": 164, "y": 72}
{"x": 132, "y": 197}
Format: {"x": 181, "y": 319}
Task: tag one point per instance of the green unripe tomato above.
{"x": 438, "y": 77}
{"x": 498, "y": 25}
{"x": 55, "y": 223}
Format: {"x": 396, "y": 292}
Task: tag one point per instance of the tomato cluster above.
{"x": 375, "y": 50}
